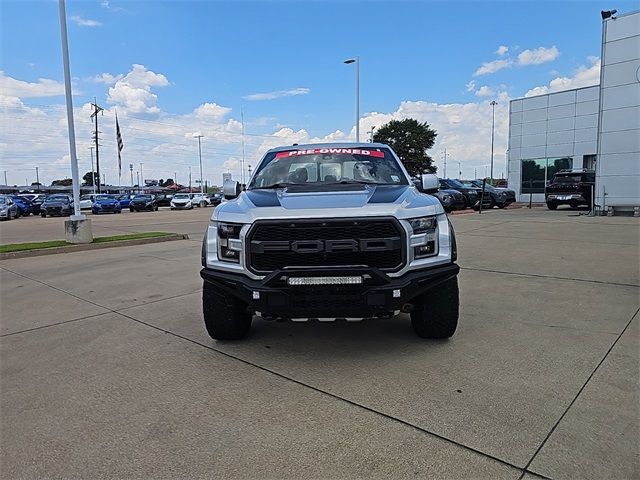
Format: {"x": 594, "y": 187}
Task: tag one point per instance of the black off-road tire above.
{"x": 435, "y": 313}
{"x": 225, "y": 317}
{"x": 43, "y": 215}
{"x": 552, "y": 206}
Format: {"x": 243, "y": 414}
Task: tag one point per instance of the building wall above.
{"x": 618, "y": 166}
{"x": 545, "y": 128}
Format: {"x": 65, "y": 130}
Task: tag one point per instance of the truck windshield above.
{"x": 328, "y": 166}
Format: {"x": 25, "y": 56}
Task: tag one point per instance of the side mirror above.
{"x": 430, "y": 183}
{"x": 231, "y": 189}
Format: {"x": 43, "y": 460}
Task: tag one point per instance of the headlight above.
{"x": 229, "y": 245}
{"x": 427, "y": 228}
{"x": 423, "y": 224}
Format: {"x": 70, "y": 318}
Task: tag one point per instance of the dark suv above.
{"x": 570, "y": 187}
{"x": 470, "y": 194}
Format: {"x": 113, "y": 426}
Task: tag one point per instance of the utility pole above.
{"x": 93, "y": 173}
{"x": 459, "y": 170}
{"x": 475, "y": 173}
{"x": 175, "y": 178}
{"x": 131, "y": 170}
{"x": 37, "y": 179}
{"x": 493, "y": 124}
{"x": 138, "y": 175}
{"x": 94, "y": 115}
{"x": 5, "y": 178}
{"x": 199, "y": 136}
{"x": 141, "y": 177}
{"x": 189, "y": 178}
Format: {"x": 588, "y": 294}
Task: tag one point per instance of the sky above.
{"x": 175, "y": 69}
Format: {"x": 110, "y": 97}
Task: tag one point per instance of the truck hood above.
{"x": 401, "y": 201}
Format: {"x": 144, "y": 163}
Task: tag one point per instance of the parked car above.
{"x": 181, "y": 201}
{"x": 471, "y": 196}
{"x": 36, "y": 200}
{"x": 487, "y": 201}
{"x": 500, "y": 197}
{"x": 8, "y": 209}
{"x": 570, "y": 187}
{"x": 86, "y": 201}
{"x": 143, "y": 202}
{"x": 24, "y": 205}
{"x": 59, "y": 204}
{"x": 125, "y": 200}
{"x": 450, "y": 199}
{"x": 216, "y": 199}
{"x": 164, "y": 200}
{"x": 106, "y": 204}
{"x": 200, "y": 200}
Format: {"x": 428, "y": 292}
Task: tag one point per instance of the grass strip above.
{"x": 19, "y": 247}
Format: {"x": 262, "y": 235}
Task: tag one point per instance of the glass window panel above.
{"x": 533, "y": 175}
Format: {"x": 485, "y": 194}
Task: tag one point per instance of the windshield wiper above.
{"x": 273, "y": 186}
{"x": 353, "y": 182}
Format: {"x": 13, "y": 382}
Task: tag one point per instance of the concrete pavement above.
{"x": 106, "y": 370}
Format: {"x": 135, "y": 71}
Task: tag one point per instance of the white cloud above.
{"x": 85, "y": 22}
{"x": 538, "y": 56}
{"x": 44, "y": 87}
{"x": 492, "y": 67}
{"x": 485, "y": 91}
{"x": 106, "y": 78}
{"x": 293, "y": 92}
{"x": 502, "y": 49}
{"x": 471, "y": 86}
{"x": 211, "y": 110}
{"x": 133, "y": 91}
{"x": 584, "y": 76}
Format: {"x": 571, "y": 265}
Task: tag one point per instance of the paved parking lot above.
{"x": 107, "y": 372}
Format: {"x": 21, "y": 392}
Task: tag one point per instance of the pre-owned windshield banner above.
{"x": 330, "y": 151}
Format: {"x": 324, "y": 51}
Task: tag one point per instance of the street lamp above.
{"x": 493, "y": 124}
{"x": 199, "y": 136}
{"x": 356, "y": 60}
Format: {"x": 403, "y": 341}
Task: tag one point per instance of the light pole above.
{"x": 356, "y": 60}
{"x": 141, "y": 177}
{"x": 189, "y": 178}
{"x": 77, "y": 214}
{"x": 493, "y": 124}
{"x": 199, "y": 136}
{"x": 131, "y": 170}
{"x": 459, "y": 170}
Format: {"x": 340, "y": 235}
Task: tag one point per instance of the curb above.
{"x": 92, "y": 246}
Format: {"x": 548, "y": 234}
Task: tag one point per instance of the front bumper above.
{"x": 566, "y": 198}
{"x": 379, "y": 295}
{"x": 181, "y": 206}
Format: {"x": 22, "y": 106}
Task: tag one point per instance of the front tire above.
{"x": 225, "y": 317}
{"x": 43, "y": 215}
{"x": 552, "y": 206}
{"x": 435, "y": 313}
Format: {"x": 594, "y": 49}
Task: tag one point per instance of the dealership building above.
{"x": 595, "y": 127}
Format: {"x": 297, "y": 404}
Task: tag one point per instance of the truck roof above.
{"x": 306, "y": 146}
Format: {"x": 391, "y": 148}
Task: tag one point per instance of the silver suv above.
{"x": 330, "y": 231}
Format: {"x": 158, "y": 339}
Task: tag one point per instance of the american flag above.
{"x": 120, "y": 144}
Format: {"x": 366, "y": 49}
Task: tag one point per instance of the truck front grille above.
{"x": 274, "y": 245}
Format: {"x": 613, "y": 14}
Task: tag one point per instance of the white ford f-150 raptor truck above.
{"x": 330, "y": 231}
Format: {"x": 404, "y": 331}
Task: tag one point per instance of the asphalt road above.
{"x": 106, "y": 370}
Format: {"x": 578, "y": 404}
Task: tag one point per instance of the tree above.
{"x": 167, "y": 182}
{"x": 410, "y": 140}
{"x": 36, "y": 184}
{"x": 87, "y": 180}
{"x": 65, "y": 182}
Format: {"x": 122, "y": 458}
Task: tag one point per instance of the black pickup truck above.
{"x": 570, "y": 187}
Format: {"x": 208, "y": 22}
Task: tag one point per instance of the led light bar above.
{"x": 301, "y": 281}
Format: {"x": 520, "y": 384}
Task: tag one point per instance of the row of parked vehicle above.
{"x": 61, "y": 204}
{"x": 461, "y": 194}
